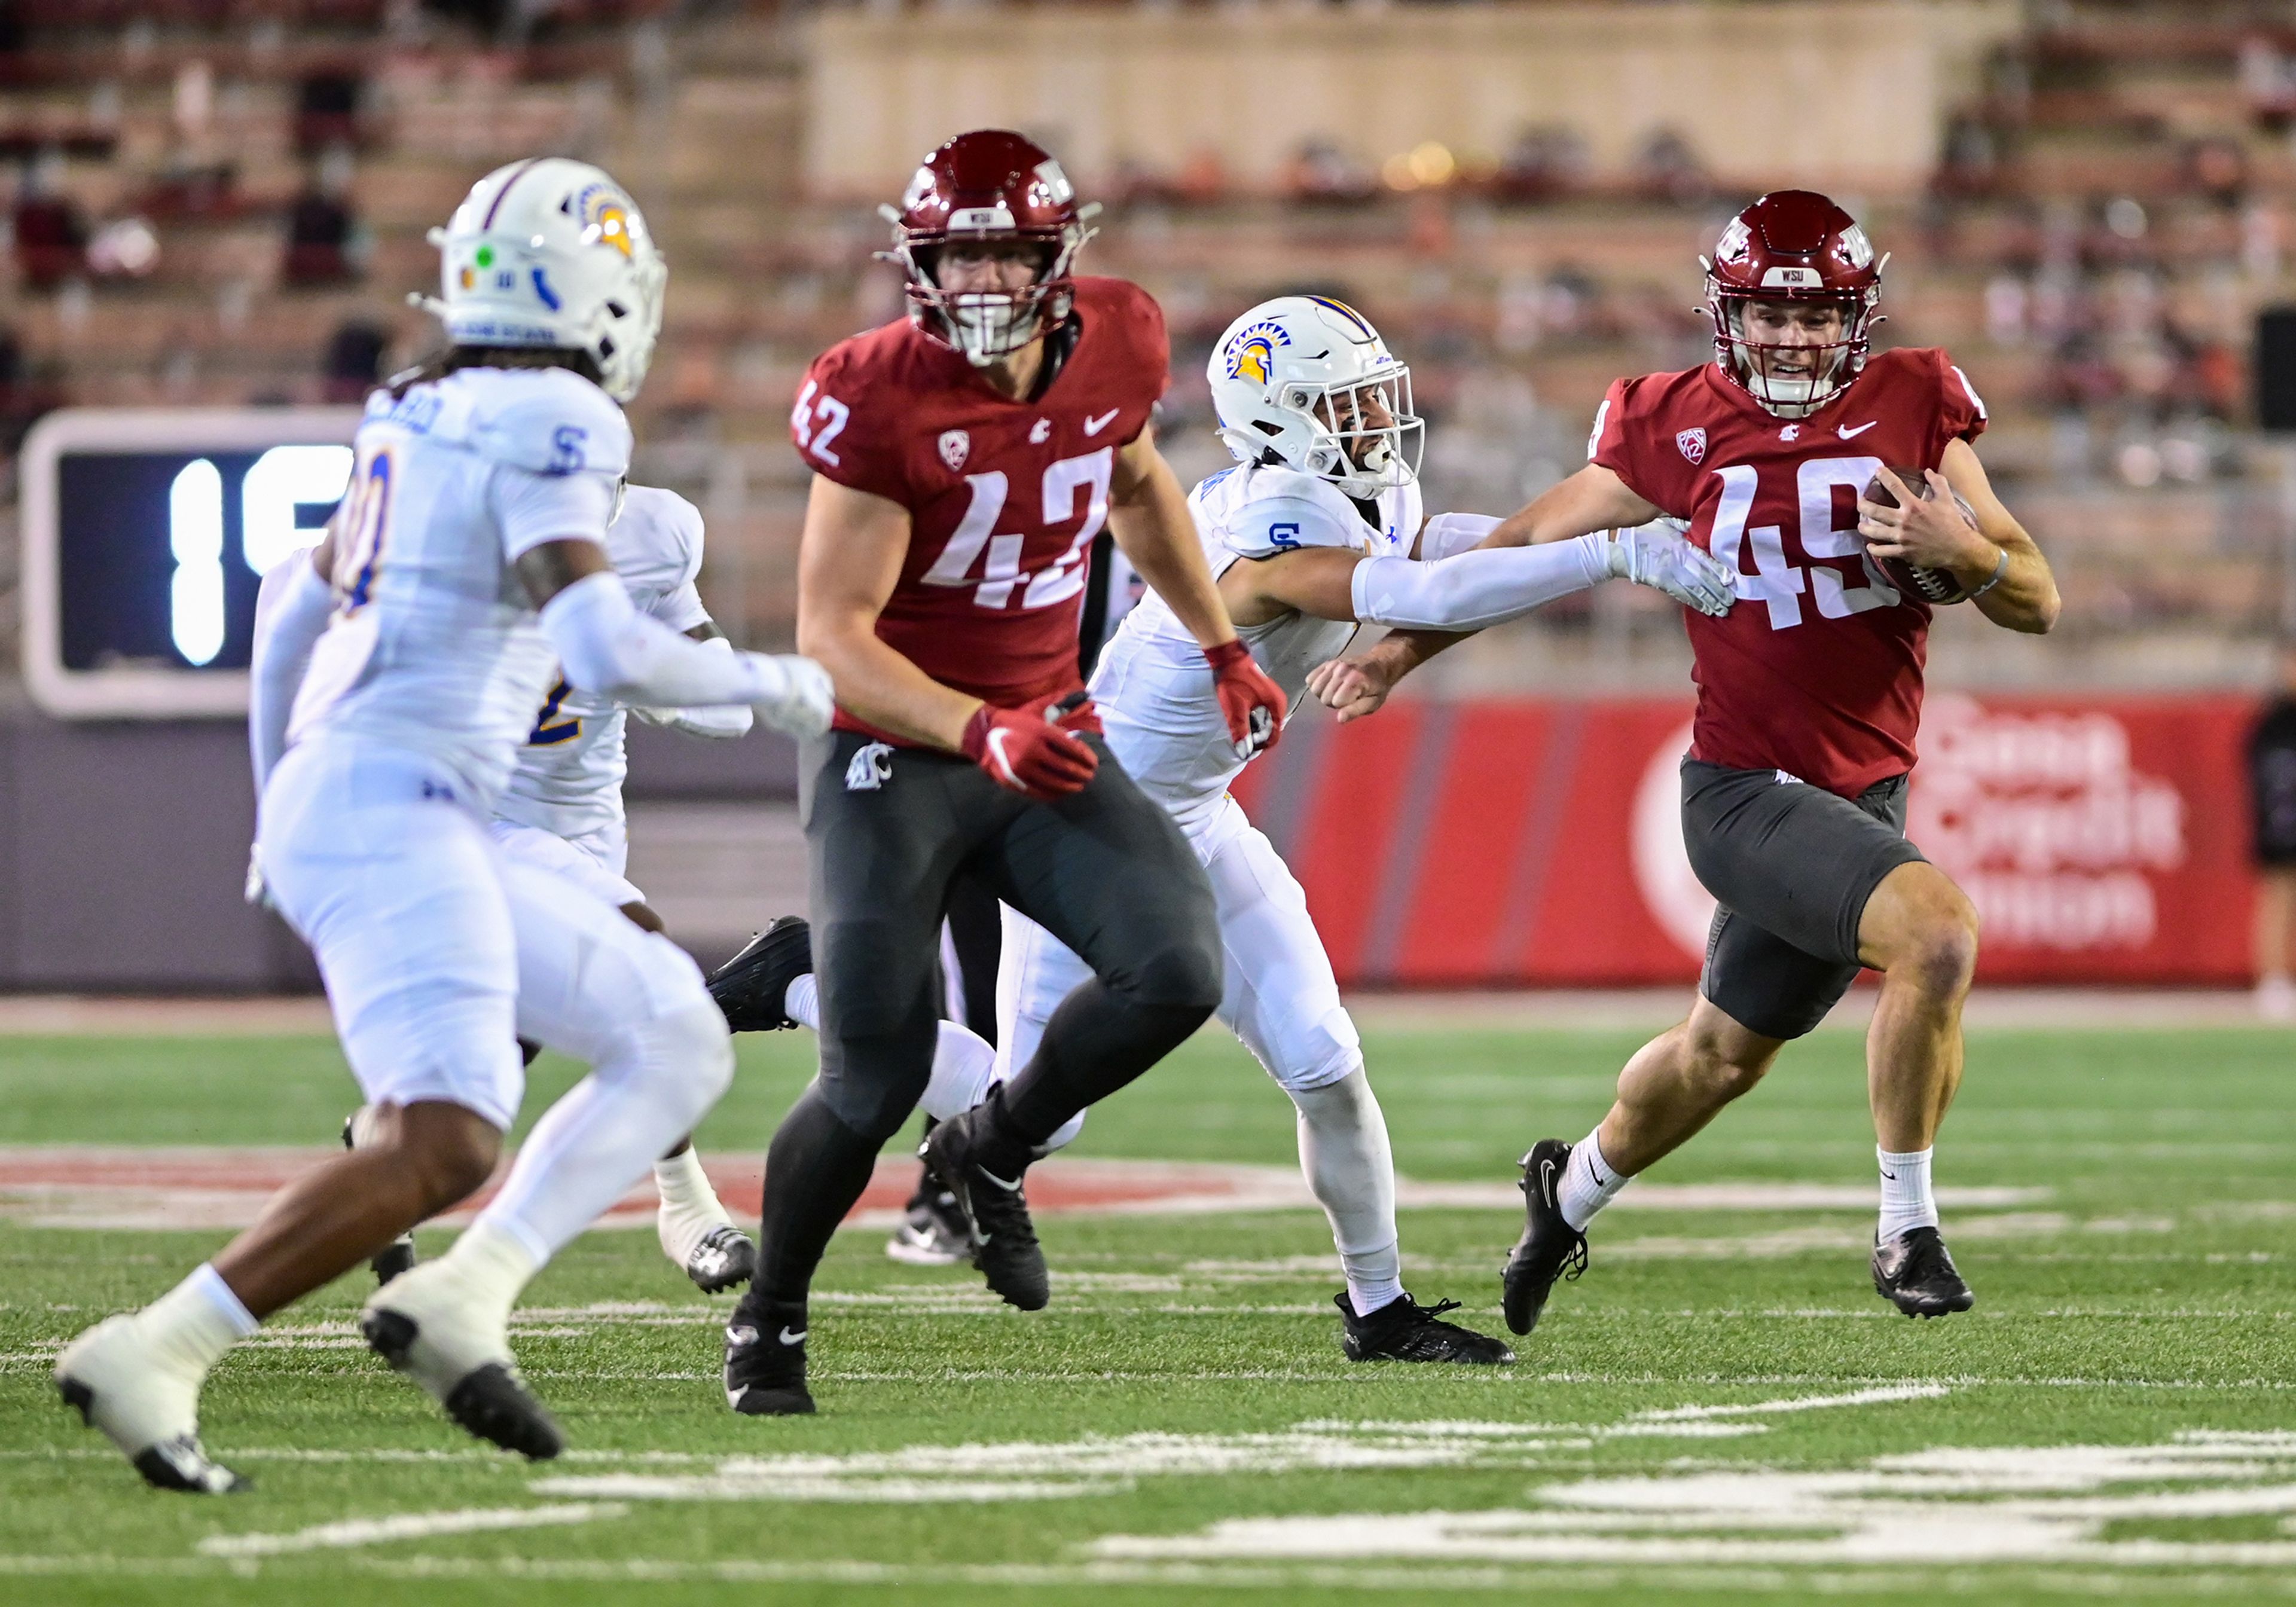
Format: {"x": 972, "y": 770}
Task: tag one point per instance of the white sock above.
{"x": 644, "y": 1093}
{"x": 1588, "y": 1183}
{"x": 1344, "y": 1153}
{"x": 1906, "y": 1201}
{"x": 495, "y": 1261}
{"x": 690, "y": 1207}
{"x": 802, "y": 1002}
{"x": 199, "y": 1319}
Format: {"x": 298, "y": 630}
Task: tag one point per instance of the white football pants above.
{"x": 439, "y": 951}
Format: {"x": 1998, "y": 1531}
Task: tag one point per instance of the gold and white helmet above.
{"x": 1306, "y": 382}
{"x": 550, "y": 251}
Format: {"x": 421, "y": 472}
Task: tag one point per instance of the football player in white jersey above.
{"x": 1319, "y": 528}
{"x": 562, "y": 811}
{"x": 466, "y": 563}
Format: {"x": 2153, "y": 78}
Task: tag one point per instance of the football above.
{"x": 1933, "y": 586}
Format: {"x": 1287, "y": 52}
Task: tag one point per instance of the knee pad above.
{"x": 686, "y": 1058}
{"x": 1318, "y": 1056}
{"x": 871, "y": 1084}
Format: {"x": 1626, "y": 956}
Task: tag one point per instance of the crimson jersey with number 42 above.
{"x": 1003, "y": 496}
{"x": 1818, "y": 669}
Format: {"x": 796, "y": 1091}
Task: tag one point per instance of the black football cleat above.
{"x": 933, "y": 1232}
{"x": 1914, "y": 1272}
{"x": 1404, "y": 1331}
{"x": 752, "y": 987}
{"x": 985, "y": 1180}
{"x": 398, "y": 1255}
{"x": 727, "y": 1257}
{"x": 1550, "y": 1248}
{"x": 765, "y": 1360}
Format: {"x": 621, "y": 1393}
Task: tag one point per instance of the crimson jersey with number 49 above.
{"x": 1817, "y": 670}
{"x": 1003, "y": 496}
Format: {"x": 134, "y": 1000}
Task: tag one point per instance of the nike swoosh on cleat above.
{"x": 1012, "y": 1187}
{"x": 1546, "y": 1182}
{"x": 741, "y": 1336}
{"x": 787, "y": 1337}
{"x": 1846, "y": 432}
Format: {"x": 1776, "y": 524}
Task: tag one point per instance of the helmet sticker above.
{"x": 1855, "y": 249}
{"x": 606, "y": 215}
{"x": 920, "y": 189}
{"x": 1252, "y": 353}
{"x": 1732, "y": 246}
{"x": 1058, "y": 190}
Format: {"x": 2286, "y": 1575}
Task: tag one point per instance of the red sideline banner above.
{"x": 1539, "y": 842}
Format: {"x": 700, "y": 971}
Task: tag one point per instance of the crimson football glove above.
{"x": 1251, "y": 704}
{"x": 1038, "y": 755}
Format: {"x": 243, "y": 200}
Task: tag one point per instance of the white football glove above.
{"x": 1656, "y": 555}
{"x": 800, "y": 698}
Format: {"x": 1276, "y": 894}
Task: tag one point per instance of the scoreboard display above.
{"x": 147, "y": 532}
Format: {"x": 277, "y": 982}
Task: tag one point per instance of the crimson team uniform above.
{"x": 1809, "y": 690}
{"x": 1006, "y": 498}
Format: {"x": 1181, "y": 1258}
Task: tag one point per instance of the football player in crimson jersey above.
{"x": 964, "y": 460}
{"x": 1808, "y": 698}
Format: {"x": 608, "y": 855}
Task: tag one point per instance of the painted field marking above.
{"x": 135, "y": 1187}
{"x": 2044, "y": 1505}
{"x": 406, "y": 1526}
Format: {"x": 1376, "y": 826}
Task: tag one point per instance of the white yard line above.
{"x": 407, "y": 1526}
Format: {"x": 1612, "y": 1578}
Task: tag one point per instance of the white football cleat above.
{"x": 147, "y": 1403}
{"x": 452, "y": 1339}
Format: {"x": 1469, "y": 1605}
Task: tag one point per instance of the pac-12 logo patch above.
{"x": 1692, "y": 443}
{"x": 955, "y": 443}
{"x": 869, "y": 768}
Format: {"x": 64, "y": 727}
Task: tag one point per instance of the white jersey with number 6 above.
{"x": 435, "y": 647}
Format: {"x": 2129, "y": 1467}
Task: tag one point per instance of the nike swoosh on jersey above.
{"x": 1094, "y": 426}
{"x": 1847, "y": 430}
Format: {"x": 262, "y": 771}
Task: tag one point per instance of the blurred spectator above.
{"x": 2219, "y": 169}
{"x": 2272, "y": 797}
{"x": 1543, "y": 164}
{"x": 327, "y": 106}
{"x": 353, "y": 363}
{"x": 1321, "y": 172}
{"x": 324, "y": 242}
{"x": 2268, "y": 82}
{"x": 1969, "y": 162}
{"x": 51, "y": 234}
{"x": 1667, "y": 168}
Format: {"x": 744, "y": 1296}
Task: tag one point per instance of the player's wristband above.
{"x": 2000, "y": 568}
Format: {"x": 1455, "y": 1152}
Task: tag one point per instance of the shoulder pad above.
{"x": 656, "y": 544}
{"x": 545, "y": 420}
{"x": 1281, "y": 509}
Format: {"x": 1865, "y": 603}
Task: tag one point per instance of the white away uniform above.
{"x": 562, "y": 808}
{"x": 439, "y": 952}
{"x": 1163, "y": 722}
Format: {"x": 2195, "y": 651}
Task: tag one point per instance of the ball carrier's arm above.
{"x": 1999, "y": 564}
{"x": 1593, "y": 499}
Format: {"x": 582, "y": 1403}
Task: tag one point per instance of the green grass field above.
{"x": 1721, "y": 1409}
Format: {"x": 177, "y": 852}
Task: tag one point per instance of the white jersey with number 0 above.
{"x": 435, "y": 646}
{"x": 569, "y": 779}
{"x": 1154, "y": 688}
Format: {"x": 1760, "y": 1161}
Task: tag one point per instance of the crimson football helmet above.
{"x": 988, "y": 185}
{"x": 1793, "y": 245}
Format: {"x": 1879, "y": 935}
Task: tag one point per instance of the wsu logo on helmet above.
{"x": 1252, "y": 353}
{"x": 605, "y": 215}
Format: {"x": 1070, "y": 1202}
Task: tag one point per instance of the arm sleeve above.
{"x": 609, "y": 648}
{"x": 291, "y": 610}
{"x": 722, "y": 723}
{"x": 1448, "y": 534}
{"x": 1475, "y": 589}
